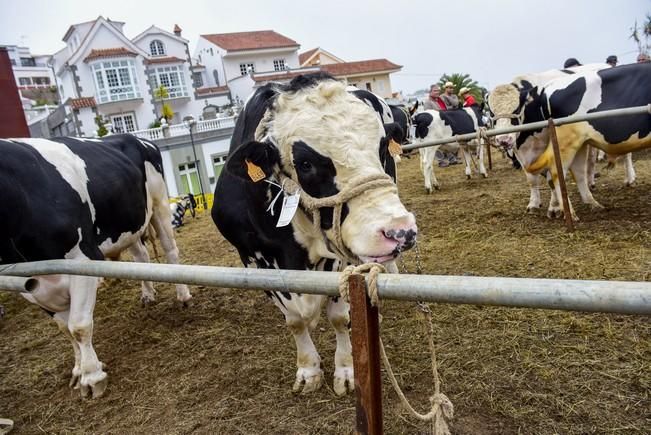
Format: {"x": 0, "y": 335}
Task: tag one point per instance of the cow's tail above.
{"x": 150, "y": 235}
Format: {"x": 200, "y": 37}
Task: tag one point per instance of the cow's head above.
{"x": 325, "y": 140}
{"x": 509, "y": 105}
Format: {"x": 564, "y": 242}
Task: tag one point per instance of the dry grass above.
{"x": 226, "y": 364}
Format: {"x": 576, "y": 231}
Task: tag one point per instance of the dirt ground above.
{"x": 226, "y": 364}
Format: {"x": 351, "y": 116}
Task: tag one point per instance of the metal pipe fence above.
{"x": 639, "y": 110}
{"x": 623, "y": 297}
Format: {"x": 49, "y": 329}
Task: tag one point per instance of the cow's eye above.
{"x": 305, "y": 166}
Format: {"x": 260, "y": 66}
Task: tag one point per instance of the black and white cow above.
{"x": 81, "y": 199}
{"x": 178, "y": 209}
{"x": 325, "y": 140}
{"x": 580, "y": 93}
{"x": 435, "y": 125}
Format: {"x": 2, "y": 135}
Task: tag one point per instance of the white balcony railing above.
{"x": 182, "y": 129}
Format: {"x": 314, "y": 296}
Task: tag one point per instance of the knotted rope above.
{"x": 313, "y": 205}
{"x": 441, "y": 407}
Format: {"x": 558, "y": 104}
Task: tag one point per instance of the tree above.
{"x": 167, "y": 112}
{"x": 645, "y": 30}
{"x": 101, "y": 128}
{"x": 462, "y": 81}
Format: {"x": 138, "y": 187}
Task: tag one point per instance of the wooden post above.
{"x": 366, "y": 359}
{"x": 488, "y": 150}
{"x": 561, "y": 176}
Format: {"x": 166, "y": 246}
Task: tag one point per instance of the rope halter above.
{"x": 313, "y": 206}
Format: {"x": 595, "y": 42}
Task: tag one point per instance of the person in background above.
{"x": 611, "y": 60}
{"x": 468, "y": 99}
{"x": 449, "y": 98}
{"x": 434, "y": 101}
{"x": 569, "y": 63}
{"x": 643, "y": 58}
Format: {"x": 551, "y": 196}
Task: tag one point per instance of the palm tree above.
{"x": 160, "y": 93}
{"x": 462, "y": 81}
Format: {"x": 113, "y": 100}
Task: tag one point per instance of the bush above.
{"x": 101, "y": 129}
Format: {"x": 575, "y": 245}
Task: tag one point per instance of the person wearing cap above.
{"x": 434, "y": 101}
{"x": 611, "y": 60}
{"x": 643, "y": 58}
{"x": 569, "y": 63}
{"x": 468, "y": 99}
{"x": 449, "y": 98}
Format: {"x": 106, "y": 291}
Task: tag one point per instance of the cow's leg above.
{"x": 592, "y": 166}
{"x": 161, "y": 219}
{"x": 302, "y": 315}
{"x": 141, "y": 255}
{"x": 83, "y": 293}
{"x": 534, "y": 195}
{"x": 629, "y": 169}
{"x": 579, "y": 168}
{"x": 480, "y": 157}
{"x": 62, "y": 322}
{"x": 339, "y": 317}
{"x": 467, "y": 157}
{"x": 427, "y": 156}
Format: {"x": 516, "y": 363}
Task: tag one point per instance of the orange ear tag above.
{"x": 394, "y": 148}
{"x": 255, "y": 172}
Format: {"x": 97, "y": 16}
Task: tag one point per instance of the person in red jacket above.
{"x": 468, "y": 99}
{"x": 434, "y": 100}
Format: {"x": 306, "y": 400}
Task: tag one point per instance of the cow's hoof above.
{"x": 484, "y": 175}
{"x": 344, "y": 381}
{"x": 187, "y": 303}
{"x": 554, "y": 213}
{"x": 308, "y": 380}
{"x": 147, "y": 299}
{"x": 437, "y": 187}
{"x": 630, "y": 183}
{"x": 532, "y": 209}
{"x": 467, "y": 177}
{"x": 428, "y": 190}
{"x": 94, "y": 385}
{"x": 597, "y": 207}
{"x": 592, "y": 186}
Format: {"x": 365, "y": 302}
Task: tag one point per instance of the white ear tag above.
{"x": 290, "y": 205}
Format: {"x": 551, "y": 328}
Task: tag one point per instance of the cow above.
{"x": 316, "y": 136}
{"x": 82, "y": 199}
{"x": 435, "y": 125}
{"x": 579, "y": 93}
{"x": 178, "y": 209}
{"x": 504, "y": 118}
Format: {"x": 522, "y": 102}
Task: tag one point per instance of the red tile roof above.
{"x": 168, "y": 59}
{"x": 360, "y": 67}
{"x": 109, "y": 52}
{"x": 80, "y": 103}
{"x": 250, "y": 40}
{"x": 213, "y": 90}
{"x": 306, "y": 55}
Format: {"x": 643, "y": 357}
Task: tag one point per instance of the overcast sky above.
{"x": 491, "y": 40}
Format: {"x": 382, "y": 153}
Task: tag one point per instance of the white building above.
{"x": 30, "y": 71}
{"x": 102, "y": 72}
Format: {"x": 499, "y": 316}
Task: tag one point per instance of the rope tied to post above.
{"x": 441, "y": 406}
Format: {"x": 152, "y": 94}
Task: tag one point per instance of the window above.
{"x": 115, "y": 80}
{"x": 13, "y": 62}
{"x": 198, "y": 80}
{"x": 172, "y": 78}
{"x": 41, "y": 81}
{"x": 279, "y": 65}
{"x": 218, "y": 164}
{"x": 189, "y": 178}
{"x": 24, "y": 81}
{"x": 61, "y": 92}
{"x": 156, "y": 48}
{"x": 245, "y": 68}
{"x": 368, "y": 87}
{"x": 123, "y": 123}
{"x": 27, "y": 61}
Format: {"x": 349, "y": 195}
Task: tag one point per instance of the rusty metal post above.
{"x": 366, "y": 359}
{"x": 488, "y": 150}
{"x": 561, "y": 176}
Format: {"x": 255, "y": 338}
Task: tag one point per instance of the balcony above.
{"x": 181, "y": 129}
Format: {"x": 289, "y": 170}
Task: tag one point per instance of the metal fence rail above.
{"x": 639, "y": 110}
{"x": 623, "y": 297}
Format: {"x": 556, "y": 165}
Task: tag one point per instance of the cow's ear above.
{"x": 253, "y": 161}
{"x": 414, "y": 108}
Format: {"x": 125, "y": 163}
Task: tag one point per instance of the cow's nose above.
{"x": 404, "y": 236}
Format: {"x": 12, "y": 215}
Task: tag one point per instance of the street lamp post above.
{"x": 189, "y": 123}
